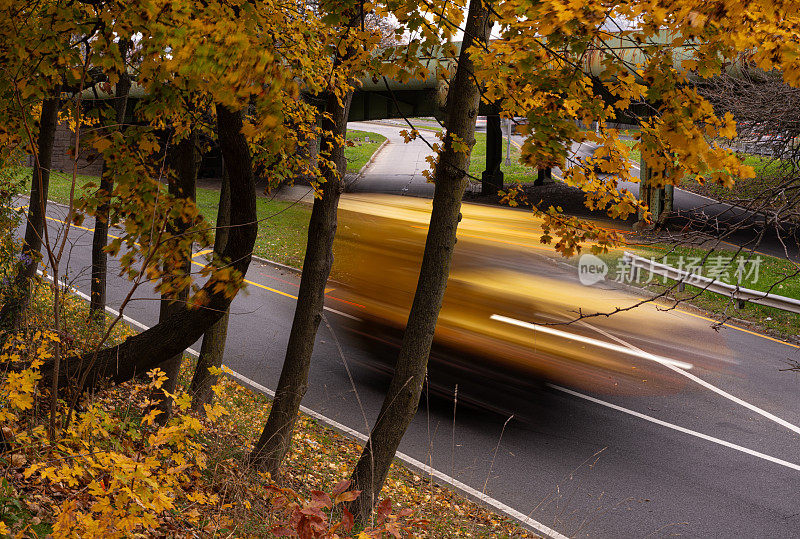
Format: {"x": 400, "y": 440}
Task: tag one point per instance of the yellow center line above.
{"x": 193, "y": 262}
{"x": 512, "y": 243}
{"x": 81, "y": 227}
{"x": 737, "y": 328}
{"x": 738, "y": 247}
{"x": 72, "y": 224}
{"x": 256, "y": 284}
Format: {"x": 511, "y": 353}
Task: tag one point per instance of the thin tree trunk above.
{"x": 97, "y": 300}
{"x": 213, "y": 347}
{"x": 276, "y": 437}
{"x": 402, "y": 399}
{"x": 148, "y": 349}
{"x": 16, "y": 304}
{"x": 184, "y": 186}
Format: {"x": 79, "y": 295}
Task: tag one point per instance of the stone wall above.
{"x": 89, "y": 163}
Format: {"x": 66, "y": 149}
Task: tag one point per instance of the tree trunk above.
{"x": 311, "y": 151}
{"x": 16, "y": 304}
{"x": 97, "y": 300}
{"x": 276, "y": 437}
{"x": 402, "y": 399}
{"x": 213, "y": 346}
{"x": 182, "y": 187}
{"x": 148, "y": 349}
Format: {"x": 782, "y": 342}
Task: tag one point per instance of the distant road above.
{"x": 398, "y": 167}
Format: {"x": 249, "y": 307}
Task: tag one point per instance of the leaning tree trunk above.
{"x": 16, "y": 303}
{"x": 402, "y": 399}
{"x": 97, "y": 297}
{"x": 148, "y": 349}
{"x": 183, "y": 187}
{"x": 276, "y": 437}
{"x": 213, "y": 347}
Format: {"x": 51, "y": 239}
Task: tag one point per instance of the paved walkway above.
{"x": 399, "y": 165}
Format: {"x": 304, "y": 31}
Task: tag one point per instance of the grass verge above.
{"x": 515, "y": 172}
{"x": 361, "y": 151}
{"x": 635, "y": 155}
{"x": 757, "y": 271}
{"x": 282, "y": 227}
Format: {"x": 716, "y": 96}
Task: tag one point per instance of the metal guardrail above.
{"x": 713, "y": 285}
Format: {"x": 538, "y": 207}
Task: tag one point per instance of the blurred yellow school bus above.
{"x": 511, "y": 309}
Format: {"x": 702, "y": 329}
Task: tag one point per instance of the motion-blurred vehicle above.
{"x": 510, "y": 310}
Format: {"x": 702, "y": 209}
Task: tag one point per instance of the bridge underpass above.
{"x": 383, "y": 99}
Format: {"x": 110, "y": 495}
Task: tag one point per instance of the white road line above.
{"x": 77, "y": 292}
{"x": 421, "y": 466}
{"x": 630, "y": 349}
{"x": 340, "y": 313}
{"x": 700, "y": 381}
{"x": 594, "y": 342}
{"x": 678, "y": 428}
{"x": 671, "y": 365}
{"x": 715, "y": 201}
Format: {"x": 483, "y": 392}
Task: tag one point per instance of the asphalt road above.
{"x": 398, "y": 168}
{"x": 695, "y": 463}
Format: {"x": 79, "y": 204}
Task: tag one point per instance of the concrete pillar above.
{"x": 659, "y": 200}
{"x": 492, "y": 177}
{"x": 543, "y": 176}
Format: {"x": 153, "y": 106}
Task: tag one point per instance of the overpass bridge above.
{"x": 379, "y": 99}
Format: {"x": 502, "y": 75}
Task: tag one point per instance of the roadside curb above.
{"x": 290, "y": 269}
{"x": 404, "y": 126}
{"x": 268, "y": 262}
{"x": 372, "y": 159}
